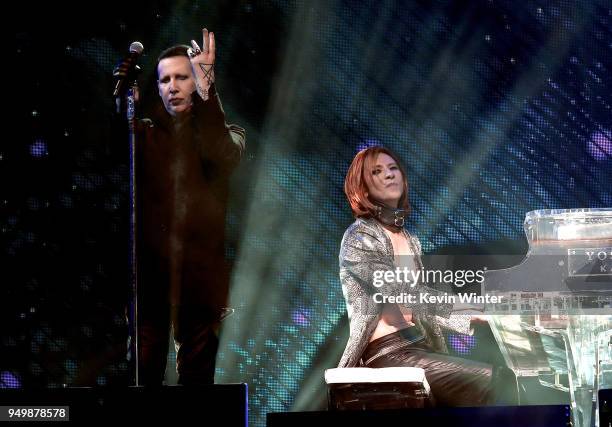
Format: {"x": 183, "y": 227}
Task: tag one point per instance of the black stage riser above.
{"x": 189, "y": 406}
{"x": 497, "y": 416}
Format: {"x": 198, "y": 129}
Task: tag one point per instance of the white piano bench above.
{"x": 377, "y": 388}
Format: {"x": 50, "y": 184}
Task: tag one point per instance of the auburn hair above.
{"x": 359, "y": 178}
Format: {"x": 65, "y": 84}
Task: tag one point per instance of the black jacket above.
{"x": 182, "y": 189}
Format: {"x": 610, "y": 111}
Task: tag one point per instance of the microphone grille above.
{"x": 136, "y": 47}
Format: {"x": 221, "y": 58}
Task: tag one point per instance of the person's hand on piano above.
{"x": 480, "y": 318}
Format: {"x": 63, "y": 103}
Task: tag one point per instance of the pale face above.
{"x": 387, "y": 181}
{"x": 176, "y": 84}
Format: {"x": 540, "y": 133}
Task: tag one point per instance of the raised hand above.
{"x": 203, "y": 63}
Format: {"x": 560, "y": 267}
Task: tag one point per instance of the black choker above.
{"x": 390, "y": 216}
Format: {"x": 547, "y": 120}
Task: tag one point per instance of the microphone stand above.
{"x": 126, "y": 103}
{"x": 133, "y": 273}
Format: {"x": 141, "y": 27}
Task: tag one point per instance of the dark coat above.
{"x": 182, "y": 183}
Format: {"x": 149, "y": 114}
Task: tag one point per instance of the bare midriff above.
{"x": 394, "y": 317}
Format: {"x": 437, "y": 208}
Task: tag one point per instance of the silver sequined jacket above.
{"x": 366, "y": 248}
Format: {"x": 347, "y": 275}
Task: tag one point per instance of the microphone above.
{"x": 125, "y": 70}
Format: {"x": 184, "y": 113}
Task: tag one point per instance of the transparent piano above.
{"x": 554, "y": 324}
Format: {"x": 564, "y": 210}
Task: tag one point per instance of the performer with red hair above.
{"x": 407, "y": 334}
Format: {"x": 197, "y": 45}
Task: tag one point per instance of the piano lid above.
{"x": 568, "y": 224}
{"x": 570, "y": 255}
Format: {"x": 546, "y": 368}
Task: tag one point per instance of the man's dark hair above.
{"x": 176, "y": 50}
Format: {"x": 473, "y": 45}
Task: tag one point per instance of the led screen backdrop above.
{"x": 496, "y": 108}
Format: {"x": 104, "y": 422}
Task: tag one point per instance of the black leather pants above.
{"x": 195, "y": 337}
{"x": 454, "y": 381}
